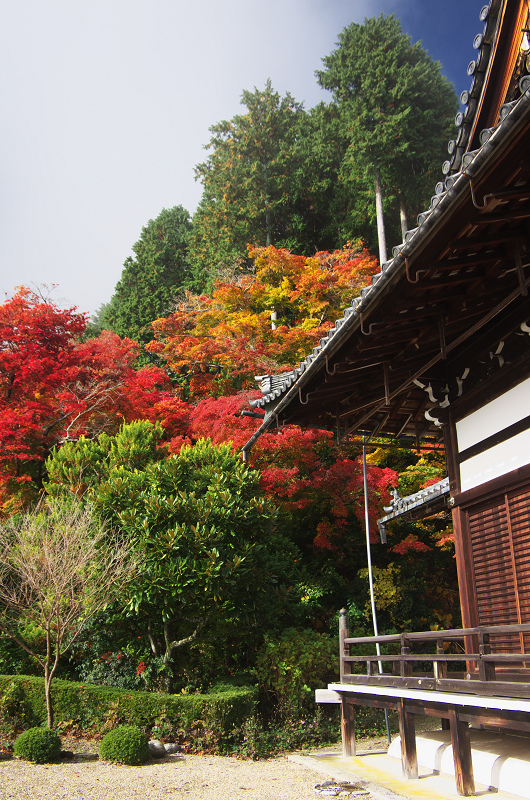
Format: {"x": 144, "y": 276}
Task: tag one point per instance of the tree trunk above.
{"x": 174, "y": 644}
{"x": 152, "y": 641}
{"x": 403, "y": 215}
{"x": 47, "y": 694}
{"x": 380, "y": 219}
{"x": 49, "y": 707}
{"x": 268, "y": 221}
{"x": 269, "y": 226}
{"x": 50, "y": 668}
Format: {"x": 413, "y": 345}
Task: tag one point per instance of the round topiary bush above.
{"x": 38, "y": 745}
{"x": 125, "y": 744}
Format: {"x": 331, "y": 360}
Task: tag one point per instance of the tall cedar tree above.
{"x": 257, "y": 183}
{"x": 152, "y": 279}
{"x": 396, "y": 114}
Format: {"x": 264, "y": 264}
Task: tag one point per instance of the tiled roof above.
{"x": 461, "y": 166}
{"x": 427, "y": 501}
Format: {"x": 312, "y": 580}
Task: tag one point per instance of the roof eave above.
{"x": 396, "y": 268}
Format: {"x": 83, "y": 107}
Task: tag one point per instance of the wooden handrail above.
{"x": 448, "y": 635}
{"x": 508, "y": 657}
{"x": 480, "y": 665}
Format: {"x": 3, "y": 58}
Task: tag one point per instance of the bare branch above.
{"x": 59, "y": 567}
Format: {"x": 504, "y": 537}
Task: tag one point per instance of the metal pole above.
{"x": 370, "y": 575}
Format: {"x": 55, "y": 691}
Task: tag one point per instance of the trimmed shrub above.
{"x": 126, "y": 744}
{"x": 14, "y": 712}
{"x": 202, "y": 720}
{"x": 38, "y": 745}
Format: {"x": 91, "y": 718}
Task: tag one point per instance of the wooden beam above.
{"x": 464, "y": 263}
{"x": 497, "y": 719}
{"x": 487, "y": 318}
{"x": 507, "y": 216}
{"x": 347, "y": 725}
{"x": 474, "y": 242}
{"x": 327, "y": 696}
{"x": 465, "y": 782}
{"x": 407, "y": 732}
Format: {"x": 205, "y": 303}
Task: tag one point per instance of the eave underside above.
{"x": 431, "y": 330}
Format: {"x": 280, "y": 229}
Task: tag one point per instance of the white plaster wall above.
{"x": 495, "y": 416}
{"x": 496, "y": 461}
{"x": 502, "y": 412}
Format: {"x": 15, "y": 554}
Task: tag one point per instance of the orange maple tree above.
{"x": 215, "y": 345}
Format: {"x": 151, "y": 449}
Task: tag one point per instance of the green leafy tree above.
{"x": 257, "y": 187}
{"x": 77, "y": 467}
{"x": 396, "y": 113}
{"x": 151, "y": 279}
{"x": 210, "y": 553}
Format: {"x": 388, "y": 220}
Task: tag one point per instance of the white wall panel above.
{"x": 495, "y": 416}
{"x": 496, "y": 461}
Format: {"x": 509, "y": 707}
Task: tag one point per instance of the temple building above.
{"x": 437, "y": 351}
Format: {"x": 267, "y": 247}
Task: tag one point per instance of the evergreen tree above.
{"x": 396, "y": 111}
{"x": 151, "y": 280}
{"x": 257, "y": 185}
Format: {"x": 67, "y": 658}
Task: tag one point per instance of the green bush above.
{"x": 257, "y": 740}
{"x": 14, "y": 713}
{"x": 291, "y": 666}
{"x": 39, "y": 745}
{"x": 126, "y": 744}
{"x": 199, "y": 719}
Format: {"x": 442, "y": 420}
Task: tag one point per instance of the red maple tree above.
{"x": 54, "y": 387}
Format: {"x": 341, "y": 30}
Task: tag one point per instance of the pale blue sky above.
{"x": 106, "y": 107}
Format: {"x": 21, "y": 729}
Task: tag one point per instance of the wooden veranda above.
{"x": 469, "y": 676}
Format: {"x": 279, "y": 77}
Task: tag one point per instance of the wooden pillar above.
{"x": 405, "y": 667}
{"x": 345, "y": 667}
{"x": 407, "y": 732}
{"x": 486, "y": 669}
{"x": 465, "y": 782}
{"x": 347, "y": 724}
{"x": 440, "y": 667}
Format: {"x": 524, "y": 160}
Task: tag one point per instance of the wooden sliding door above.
{"x": 499, "y": 537}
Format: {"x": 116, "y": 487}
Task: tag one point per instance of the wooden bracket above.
{"x": 519, "y": 266}
{"x": 387, "y": 382}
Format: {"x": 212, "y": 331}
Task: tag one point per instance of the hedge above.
{"x": 203, "y": 719}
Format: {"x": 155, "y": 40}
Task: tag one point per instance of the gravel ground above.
{"x": 193, "y": 777}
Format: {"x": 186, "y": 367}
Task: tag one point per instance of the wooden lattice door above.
{"x": 499, "y": 529}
